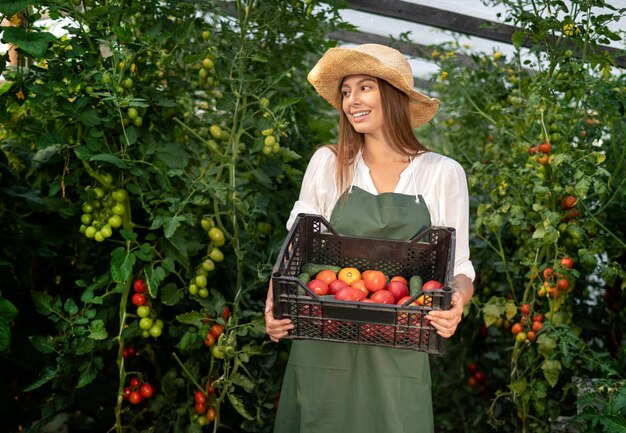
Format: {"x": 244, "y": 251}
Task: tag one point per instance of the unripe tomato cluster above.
{"x": 205, "y": 411}
{"x": 213, "y": 334}
{"x": 136, "y": 391}
{"x": 198, "y": 285}
{"x": 148, "y": 322}
{"x": 270, "y": 142}
{"x": 133, "y": 116}
{"x": 103, "y": 214}
{"x": 206, "y": 73}
{"x": 128, "y": 352}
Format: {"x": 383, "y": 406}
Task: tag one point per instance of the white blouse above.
{"x": 440, "y": 180}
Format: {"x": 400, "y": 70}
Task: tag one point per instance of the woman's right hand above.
{"x": 275, "y": 328}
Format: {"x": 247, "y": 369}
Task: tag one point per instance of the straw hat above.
{"x": 377, "y": 61}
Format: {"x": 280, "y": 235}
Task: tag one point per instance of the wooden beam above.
{"x": 453, "y": 21}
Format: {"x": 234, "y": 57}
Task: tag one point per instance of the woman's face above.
{"x": 361, "y": 103}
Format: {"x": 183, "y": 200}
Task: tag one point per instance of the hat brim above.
{"x": 338, "y": 63}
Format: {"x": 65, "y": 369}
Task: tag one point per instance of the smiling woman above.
{"x": 379, "y": 181}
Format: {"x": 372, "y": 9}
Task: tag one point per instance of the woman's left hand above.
{"x": 446, "y": 322}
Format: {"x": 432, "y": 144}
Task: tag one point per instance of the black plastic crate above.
{"x": 312, "y": 239}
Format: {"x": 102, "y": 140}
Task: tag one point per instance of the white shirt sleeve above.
{"x": 317, "y": 194}
{"x": 453, "y": 211}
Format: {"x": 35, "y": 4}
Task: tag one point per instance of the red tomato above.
{"x": 525, "y": 309}
{"x": 209, "y": 340}
{"x": 562, "y": 284}
{"x": 516, "y": 328}
{"x": 383, "y": 297}
{"x": 138, "y": 299}
{"x": 537, "y": 326}
{"x": 369, "y": 301}
{"x": 336, "y": 285}
{"x": 568, "y": 202}
{"x": 404, "y": 299}
{"x": 360, "y": 285}
{"x": 216, "y": 330}
{"x": 374, "y": 280}
{"x": 349, "y": 294}
{"x": 567, "y": 262}
{"x": 538, "y": 317}
{"x": 199, "y": 397}
{"x": 531, "y": 335}
{"x": 545, "y": 147}
{"x": 318, "y": 287}
{"x": 226, "y": 313}
{"x": 200, "y": 407}
{"x": 473, "y": 368}
{"x": 548, "y": 273}
{"x": 326, "y": 276}
{"x": 432, "y": 285}
{"x": 397, "y": 289}
{"x": 134, "y": 382}
{"x": 146, "y": 390}
{"x": 401, "y": 279}
{"x": 134, "y": 397}
{"x": 140, "y": 286}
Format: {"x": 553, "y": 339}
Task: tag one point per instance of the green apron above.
{"x": 333, "y": 387}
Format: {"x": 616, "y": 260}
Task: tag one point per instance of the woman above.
{"x": 378, "y": 181}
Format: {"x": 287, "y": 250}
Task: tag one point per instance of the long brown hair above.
{"x": 398, "y": 132}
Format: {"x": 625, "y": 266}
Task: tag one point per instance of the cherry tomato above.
{"x": 200, "y": 407}
{"x": 548, "y": 273}
{"x": 140, "y": 286}
{"x": 537, "y": 325}
{"x": 146, "y": 390}
{"x": 567, "y": 262}
{"x": 216, "y": 352}
{"x": 199, "y": 397}
{"x": 525, "y": 309}
{"x": 226, "y": 313}
{"x": 139, "y": 299}
{"x": 211, "y": 413}
{"x": 216, "y": 236}
{"x": 516, "y": 328}
{"x": 209, "y": 340}
{"x": 216, "y": 330}
{"x": 135, "y": 397}
{"x": 545, "y": 147}
{"x": 134, "y": 382}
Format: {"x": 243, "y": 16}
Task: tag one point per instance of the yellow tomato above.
{"x": 349, "y": 275}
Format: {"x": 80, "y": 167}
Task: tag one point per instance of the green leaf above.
{"x": 89, "y": 117}
{"x": 89, "y": 371}
{"x": 155, "y": 278}
{"x": 122, "y": 265}
{"x": 5, "y": 338}
{"x": 7, "y": 310}
{"x": 239, "y": 406}
{"x": 518, "y": 38}
{"x": 170, "y": 295}
{"x": 171, "y": 224}
{"x": 35, "y": 44}
{"x": 44, "y": 344}
{"x": 243, "y": 381}
{"x": 42, "y": 302}
{"x": 519, "y": 386}
{"x": 97, "y": 330}
{"x": 70, "y": 307}
{"x": 191, "y": 318}
{"x": 546, "y": 345}
{"x": 551, "y": 370}
{"x": 111, "y": 159}
{"x": 46, "y": 376}
{"x": 10, "y": 8}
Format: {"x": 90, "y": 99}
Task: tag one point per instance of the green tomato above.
{"x": 115, "y": 221}
{"x": 119, "y": 195}
{"x": 269, "y": 140}
{"x": 207, "y": 63}
{"x": 203, "y": 293}
{"x": 82, "y": 228}
{"x": 145, "y": 333}
{"x": 99, "y": 192}
{"x": 206, "y": 35}
{"x": 217, "y": 352}
{"x": 143, "y": 311}
{"x": 193, "y": 289}
{"x": 206, "y": 223}
{"x": 90, "y": 232}
{"x": 86, "y": 218}
{"x": 87, "y": 208}
{"x": 107, "y": 179}
{"x": 106, "y": 231}
{"x": 99, "y": 237}
{"x": 216, "y": 236}
{"x": 216, "y": 131}
{"x": 146, "y": 323}
{"x": 216, "y": 255}
{"x": 132, "y": 113}
{"x": 208, "y": 265}
{"x": 155, "y": 331}
{"x": 138, "y": 121}
{"x": 201, "y": 281}
{"x": 118, "y": 209}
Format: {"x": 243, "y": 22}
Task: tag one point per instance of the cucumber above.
{"x": 415, "y": 285}
{"x": 315, "y": 268}
{"x": 304, "y": 277}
